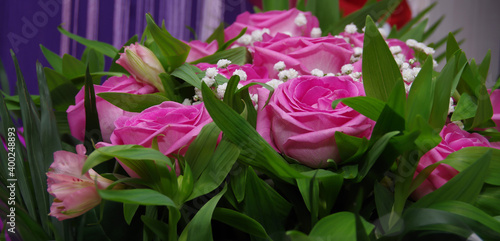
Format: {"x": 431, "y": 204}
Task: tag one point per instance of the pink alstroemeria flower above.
{"x": 74, "y": 193}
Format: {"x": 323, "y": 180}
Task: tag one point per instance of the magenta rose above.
{"x": 200, "y": 49}
{"x": 293, "y": 22}
{"x": 299, "y": 120}
{"x": 453, "y": 139}
{"x": 303, "y": 54}
{"x": 174, "y": 126}
{"x": 107, "y": 112}
{"x": 495, "y": 102}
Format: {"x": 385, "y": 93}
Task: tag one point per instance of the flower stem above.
{"x": 173, "y": 217}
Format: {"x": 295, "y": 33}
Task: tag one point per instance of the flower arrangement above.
{"x": 292, "y": 124}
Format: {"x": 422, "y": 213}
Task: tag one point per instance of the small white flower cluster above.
{"x": 347, "y": 69}
{"x": 412, "y": 43}
{"x": 288, "y": 74}
{"x": 351, "y": 28}
{"x": 316, "y": 33}
{"x": 356, "y": 56}
{"x": 382, "y": 32}
{"x": 279, "y": 66}
{"x": 210, "y": 74}
{"x": 256, "y": 35}
{"x": 241, "y": 73}
{"x": 221, "y": 90}
{"x": 409, "y": 74}
{"x": 223, "y": 63}
{"x": 274, "y": 83}
{"x": 300, "y": 20}
{"x": 356, "y": 76}
{"x": 459, "y": 124}
{"x": 451, "y": 107}
{"x": 317, "y": 72}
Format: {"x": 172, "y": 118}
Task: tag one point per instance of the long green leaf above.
{"x": 200, "y": 151}
{"x": 367, "y": 106}
{"x": 186, "y": 73}
{"x": 174, "y": 50}
{"x": 341, "y": 224}
{"x": 4, "y": 82}
{"x": 254, "y": 149}
{"x": 463, "y": 187}
{"x": 92, "y": 127}
{"x": 137, "y": 196}
{"x": 239, "y": 221}
{"x": 268, "y": 5}
{"x": 421, "y": 96}
{"x": 54, "y": 60}
{"x": 380, "y": 71}
{"x": 104, "y": 48}
{"x": 200, "y": 226}
{"x": 133, "y": 102}
{"x": 236, "y": 56}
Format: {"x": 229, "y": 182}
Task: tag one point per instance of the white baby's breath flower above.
{"x": 355, "y": 76}
{"x": 383, "y": 32}
{"x": 412, "y": 43}
{"x": 330, "y": 74}
{"x": 459, "y": 124}
{"x": 405, "y": 66}
{"x": 358, "y": 51}
{"x": 396, "y": 49}
{"x": 408, "y": 87}
{"x": 317, "y": 72}
{"x": 239, "y": 86}
{"x": 241, "y": 73}
{"x": 287, "y": 33}
{"x": 223, "y": 63}
{"x": 351, "y": 28}
{"x": 186, "y": 102}
{"x": 399, "y": 62}
{"x": 279, "y": 66}
{"x": 434, "y": 64}
{"x": 347, "y": 69}
{"x": 408, "y": 75}
{"x": 197, "y": 94}
{"x": 292, "y": 73}
{"x": 429, "y": 50}
{"x": 416, "y": 70}
{"x": 274, "y": 83}
{"x": 354, "y": 59}
{"x": 221, "y": 90}
{"x": 211, "y": 72}
{"x": 412, "y": 61}
{"x": 246, "y": 39}
{"x": 300, "y": 20}
{"x": 420, "y": 46}
{"x": 257, "y": 35}
{"x": 208, "y": 81}
{"x": 316, "y": 32}
{"x": 451, "y": 107}
{"x": 288, "y": 74}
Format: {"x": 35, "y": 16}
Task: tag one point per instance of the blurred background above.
{"x": 28, "y": 23}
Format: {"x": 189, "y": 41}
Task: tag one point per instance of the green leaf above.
{"x": 200, "y": 226}
{"x": 186, "y": 73}
{"x": 133, "y": 102}
{"x": 157, "y": 227}
{"x": 54, "y": 60}
{"x": 217, "y": 169}
{"x": 239, "y": 221}
{"x": 231, "y": 41}
{"x": 235, "y": 55}
{"x": 92, "y": 127}
{"x": 488, "y": 200}
{"x": 170, "y": 85}
{"x": 268, "y": 5}
{"x": 72, "y": 67}
{"x": 380, "y": 71}
{"x": 420, "y": 98}
{"x": 367, "y": 106}
{"x": 273, "y": 215}
{"x": 37, "y": 166}
{"x": 468, "y": 211}
{"x": 94, "y": 60}
{"x": 104, "y": 48}
{"x": 200, "y": 151}
{"x": 384, "y": 200}
{"x": 4, "y": 82}
{"x": 327, "y": 12}
{"x": 485, "y": 65}
{"x": 217, "y": 35}
{"x": 484, "y": 107}
{"x": 374, "y": 153}
{"x": 173, "y": 49}
{"x": 254, "y": 149}
{"x": 416, "y": 33}
{"x": 144, "y": 197}
{"x": 451, "y": 46}
{"x": 129, "y": 211}
{"x": 465, "y": 109}
{"x": 464, "y": 187}
{"x": 340, "y": 224}
{"x": 351, "y": 146}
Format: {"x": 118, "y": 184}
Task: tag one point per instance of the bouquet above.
{"x": 291, "y": 124}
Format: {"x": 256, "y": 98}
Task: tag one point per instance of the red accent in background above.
{"x": 400, "y": 16}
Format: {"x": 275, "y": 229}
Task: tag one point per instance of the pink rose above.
{"x": 303, "y": 54}
{"x": 74, "y": 193}
{"x": 200, "y": 49}
{"x": 454, "y": 139}
{"x": 299, "y": 120}
{"x": 293, "y": 22}
{"x": 143, "y": 64}
{"x": 495, "y": 102}
{"x": 107, "y": 112}
{"x": 174, "y": 125}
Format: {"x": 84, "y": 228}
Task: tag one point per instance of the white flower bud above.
{"x": 411, "y": 43}
{"x": 300, "y": 20}
{"x": 208, "y": 81}
{"x": 316, "y": 33}
{"x": 396, "y": 49}
{"x": 279, "y": 66}
{"x": 246, "y": 39}
{"x": 358, "y": 51}
{"x": 223, "y": 63}
{"x": 317, "y": 72}
{"x": 274, "y": 83}
{"x": 351, "y": 28}
{"x": 221, "y": 90}
{"x": 211, "y": 72}
{"x": 347, "y": 69}
{"x": 241, "y": 73}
